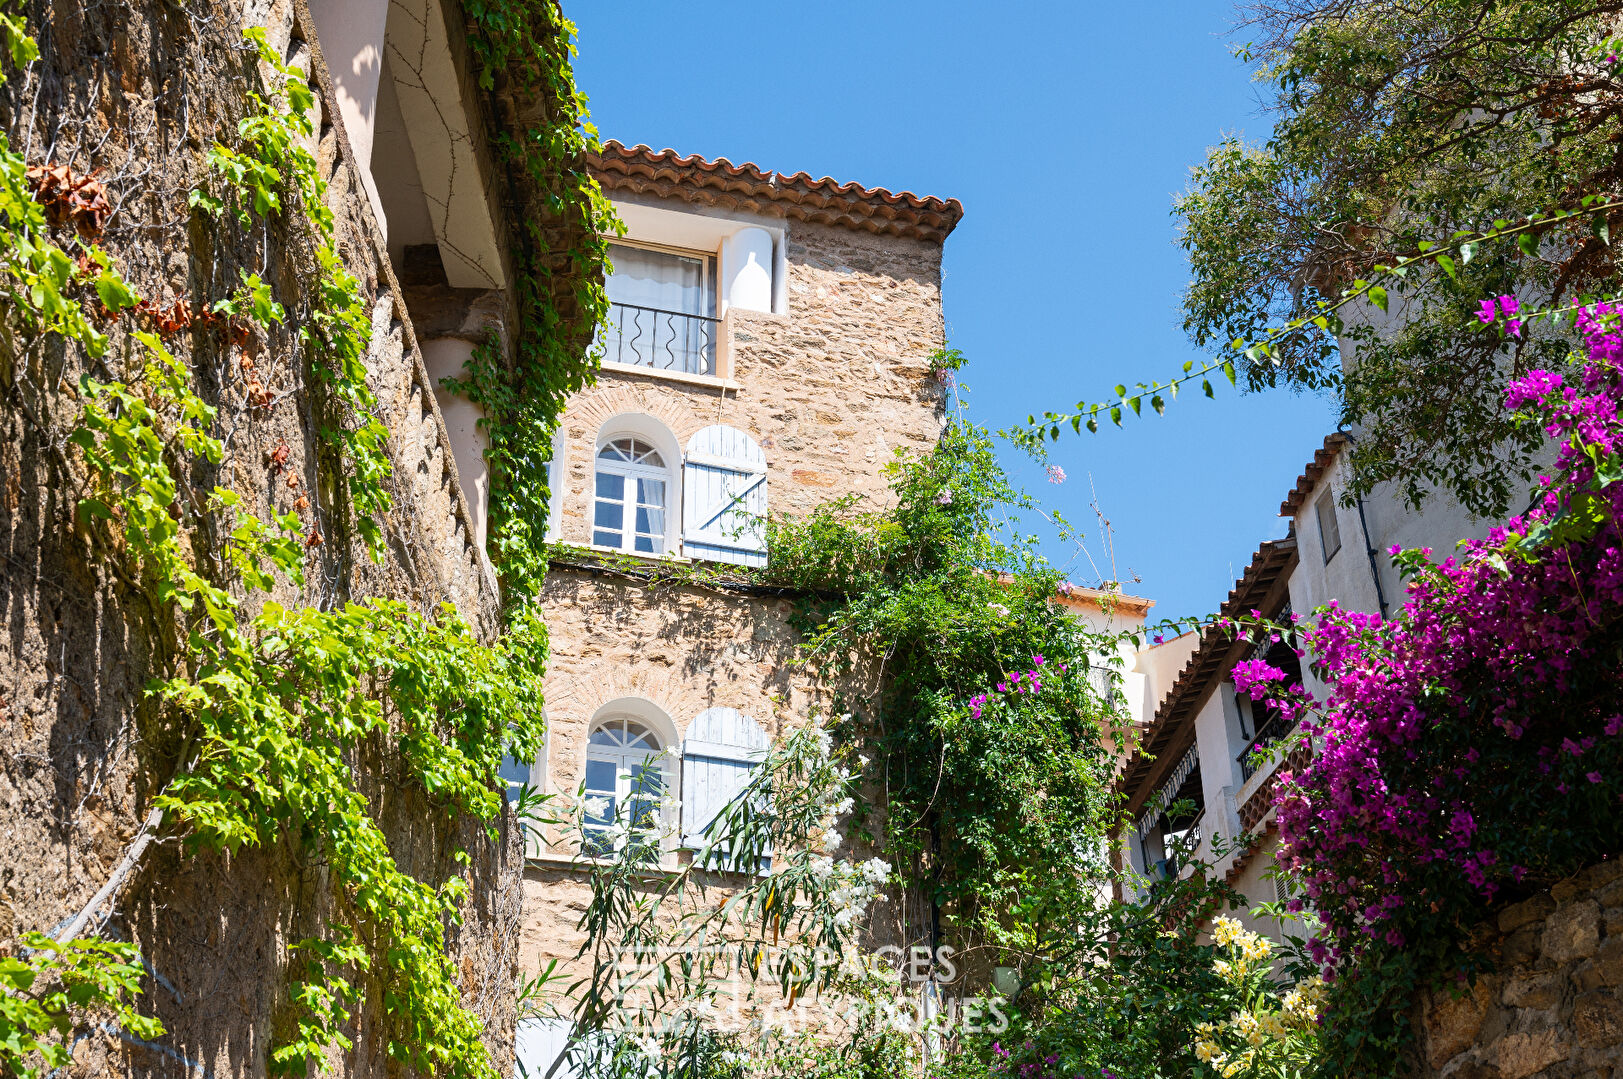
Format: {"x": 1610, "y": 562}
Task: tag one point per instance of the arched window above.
{"x": 627, "y": 777}
{"x": 632, "y": 489}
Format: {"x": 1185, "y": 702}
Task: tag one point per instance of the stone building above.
{"x": 433, "y": 226}
{"x": 767, "y": 350}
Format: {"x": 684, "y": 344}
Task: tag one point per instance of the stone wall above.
{"x": 1554, "y": 1007}
{"x": 830, "y": 390}
{"x": 138, "y": 92}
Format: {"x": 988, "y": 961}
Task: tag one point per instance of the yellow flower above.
{"x": 1255, "y": 947}
{"x": 1226, "y": 930}
{"x": 1206, "y": 1052}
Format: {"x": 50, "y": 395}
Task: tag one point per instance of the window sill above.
{"x": 640, "y": 556}
{"x": 670, "y": 376}
{"x": 665, "y": 870}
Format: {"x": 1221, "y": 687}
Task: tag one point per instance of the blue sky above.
{"x": 1066, "y": 128}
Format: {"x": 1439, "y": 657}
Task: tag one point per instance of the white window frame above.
{"x": 631, "y": 472}
{"x": 628, "y": 763}
{"x": 710, "y": 259}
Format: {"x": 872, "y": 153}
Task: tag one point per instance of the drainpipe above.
{"x": 1369, "y": 549}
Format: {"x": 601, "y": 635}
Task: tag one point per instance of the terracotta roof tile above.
{"x": 668, "y": 174}
{"x": 1333, "y": 443}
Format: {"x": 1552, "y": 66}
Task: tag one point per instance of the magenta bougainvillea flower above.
{"x": 1471, "y": 747}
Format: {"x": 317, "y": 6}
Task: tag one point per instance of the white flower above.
{"x": 998, "y": 609}
{"x": 822, "y": 868}
{"x": 825, "y": 744}
{"x": 843, "y": 807}
{"x": 831, "y": 841}
{"x": 877, "y": 870}
{"x": 862, "y": 762}
{"x": 597, "y": 807}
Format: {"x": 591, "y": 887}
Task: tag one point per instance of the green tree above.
{"x": 1398, "y": 124}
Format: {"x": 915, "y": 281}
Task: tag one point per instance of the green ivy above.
{"x": 276, "y": 161}
{"x": 274, "y": 708}
{"x": 518, "y": 41}
{"x": 43, "y": 991}
{"x": 955, "y": 602}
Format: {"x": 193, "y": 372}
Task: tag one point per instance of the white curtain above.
{"x": 659, "y": 292}
{"x": 658, "y": 279}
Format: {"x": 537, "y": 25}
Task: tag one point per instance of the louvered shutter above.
{"x": 724, "y": 497}
{"x": 722, "y": 748}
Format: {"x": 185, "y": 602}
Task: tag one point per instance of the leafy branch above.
{"x": 1326, "y": 318}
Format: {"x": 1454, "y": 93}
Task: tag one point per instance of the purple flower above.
{"x": 944, "y": 497}
{"x": 1487, "y": 313}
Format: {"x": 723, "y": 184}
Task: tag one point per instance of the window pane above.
{"x": 516, "y": 773}
{"x": 600, "y": 777}
{"x": 650, "y": 522}
{"x": 606, "y": 539}
{"x": 610, "y": 485}
{"x": 609, "y": 515}
{"x": 650, "y": 545}
{"x": 648, "y": 778}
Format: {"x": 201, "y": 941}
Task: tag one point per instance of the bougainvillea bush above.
{"x": 1472, "y": 748}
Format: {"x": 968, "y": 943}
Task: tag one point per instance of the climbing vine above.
{"x": 274, "y": 161}
{"x": 558, "y": 287}
{"x": 274, "y": 706}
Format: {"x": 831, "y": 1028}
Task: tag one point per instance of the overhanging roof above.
{"x": 1309, "y": 479}
{"x": 1172, "y": 729}
{"x": 692, "y": 178}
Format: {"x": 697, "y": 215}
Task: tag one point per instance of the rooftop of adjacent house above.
{"x": 1334, "y": 442}
{"x": 692, "y": 178}
{"x": 1259, "y": 589}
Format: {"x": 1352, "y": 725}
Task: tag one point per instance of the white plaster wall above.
{"x": 1159, "y": 666}
{"x": 350, "y": 33}
{"x": 444, "y": 357}
{"x": 401, "y": 192}
{"x": 439, "y": 123}
{"x": 1257, "y": 889}
{"x": 1217, "y": 738}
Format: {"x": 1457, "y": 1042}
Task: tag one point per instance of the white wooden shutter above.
{"x": 724, "y": 497}
{"x": 541, "y": 1041}
{"x": 722, "y": 748}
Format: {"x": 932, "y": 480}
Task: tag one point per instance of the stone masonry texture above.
{"x": 1553, "y": 1008}
{"x": 138, "y": 91}
{"x": 831, "y": 391}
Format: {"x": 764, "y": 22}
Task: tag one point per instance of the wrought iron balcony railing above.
{"x": 663, "y": 340}
{"x": 1273, "y": 729}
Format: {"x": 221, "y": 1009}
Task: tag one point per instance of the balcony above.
{"x": 660, "y": 340}
{"x": 1274, "y": 728}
